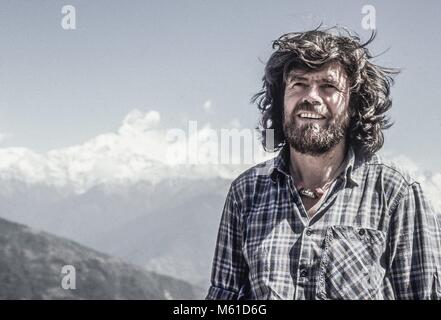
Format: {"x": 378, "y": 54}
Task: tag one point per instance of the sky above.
{"x": 194, "y": 60}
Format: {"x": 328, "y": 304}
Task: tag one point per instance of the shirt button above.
{"x": 308, "y": 232}
{"x": 361, "y": 232}
{"x": 303, "y": 273}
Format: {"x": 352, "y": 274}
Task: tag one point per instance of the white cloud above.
{"x": 130, "y": 154}
{"x": 136, "y": 151}
{"x": 432, "y": 187}
{"x": 136, "y": 122}
{"x": 207, "y": 105}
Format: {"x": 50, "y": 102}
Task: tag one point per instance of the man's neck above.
{"x": 315, "y": 171}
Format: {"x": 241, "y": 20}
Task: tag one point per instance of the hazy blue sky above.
{"x": 59, "y": 88}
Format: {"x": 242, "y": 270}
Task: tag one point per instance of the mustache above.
{"x": 309, "y": 107}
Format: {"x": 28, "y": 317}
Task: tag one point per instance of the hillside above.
{"x": 31, "y": 262}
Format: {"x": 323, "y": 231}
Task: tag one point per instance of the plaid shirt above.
{"x": 375, "y": 236}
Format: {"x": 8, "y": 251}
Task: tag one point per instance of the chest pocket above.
{"x": 350, "y": 267}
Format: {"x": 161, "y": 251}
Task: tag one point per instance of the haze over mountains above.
{"x": 121, "y": 193}
{"x": 169, "y": 228}
{"x": 31, "y": 267}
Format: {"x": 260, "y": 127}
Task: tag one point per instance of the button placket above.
{"x": 303, "y": 265}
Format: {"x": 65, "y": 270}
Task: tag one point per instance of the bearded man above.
{"x": 327, "y": 218}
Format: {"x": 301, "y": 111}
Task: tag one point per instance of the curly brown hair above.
{"x": 311, "y": 50}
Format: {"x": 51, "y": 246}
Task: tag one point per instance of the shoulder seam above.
{"x": 400, "y": 196}
{"x": 397, "y": 200}
{"x": 409, "y": 183}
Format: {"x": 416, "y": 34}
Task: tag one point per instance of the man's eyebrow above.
{"x": 299, "y": 77}
{"x": 329, "y": 80}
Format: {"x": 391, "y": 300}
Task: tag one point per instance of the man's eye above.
{"x": 328, "y": 85}
{"x": 298, "y": 85}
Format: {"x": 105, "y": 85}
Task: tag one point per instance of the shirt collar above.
{"x": 351, "y": 170}
{"x": 280, "y": 166}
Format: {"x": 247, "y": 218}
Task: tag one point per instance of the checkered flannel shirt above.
{"x": 375, "y": 236}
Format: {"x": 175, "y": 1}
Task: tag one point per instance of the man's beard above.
{"x": 313, "y": 138}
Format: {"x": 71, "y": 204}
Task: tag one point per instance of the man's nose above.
{"x": 312, "y": 95}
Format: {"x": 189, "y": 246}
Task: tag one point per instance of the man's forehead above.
{"x": 330, "y": 72}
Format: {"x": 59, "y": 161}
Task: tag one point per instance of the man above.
{"x": 327, "y": 218}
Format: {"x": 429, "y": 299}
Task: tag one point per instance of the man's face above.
{"x": 316, "y": 105}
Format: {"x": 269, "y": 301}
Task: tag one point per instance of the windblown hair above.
{"x": 311, "y": 50}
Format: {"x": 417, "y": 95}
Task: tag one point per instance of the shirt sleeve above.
{"x": 230, "y": 271}
{"x": 415, "y": 247}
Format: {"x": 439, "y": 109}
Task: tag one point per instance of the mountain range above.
{"x": 169, "y": 228}
{"x": 32, "y": 266}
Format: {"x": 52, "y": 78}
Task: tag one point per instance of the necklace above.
{"x": 312, "y": 194}
{"x": 316, "y": 192}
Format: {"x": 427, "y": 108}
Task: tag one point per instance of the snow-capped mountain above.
{"x": 138, "y": 151}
